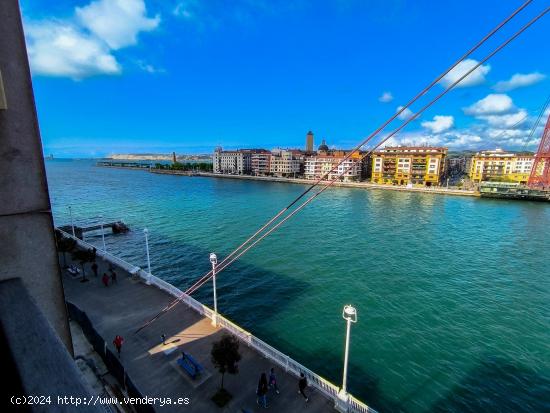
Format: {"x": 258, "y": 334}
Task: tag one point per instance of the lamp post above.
{"x": 350, "y": 315}
{"x": 146, "y": 232}
{"x": 214, "y": 261}
{"x": 102, "y": 232}
{"x": 71, "y": 215}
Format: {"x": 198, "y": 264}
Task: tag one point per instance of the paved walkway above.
{"x": 122, "y": 308}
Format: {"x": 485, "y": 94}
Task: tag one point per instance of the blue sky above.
{"x": 187, "y": 75}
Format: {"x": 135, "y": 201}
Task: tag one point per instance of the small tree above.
{"x": 64, "y": 245}
{"x": 83, "y": 256}
{"x": 225, "y": 355}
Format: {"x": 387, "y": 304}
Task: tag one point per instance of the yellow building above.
{"x": 403, "y": 165}
{"x": 501, "y": 166}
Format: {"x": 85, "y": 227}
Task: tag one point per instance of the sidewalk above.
{"x": 122, "y": 308}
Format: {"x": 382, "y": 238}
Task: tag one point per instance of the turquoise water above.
{"x": 452, "y": 293}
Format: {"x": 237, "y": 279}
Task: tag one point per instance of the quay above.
{"x": 122, "y": 307}
{"x": 301, "y": 181}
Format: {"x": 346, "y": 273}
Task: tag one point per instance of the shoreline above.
{"x": 302, "y": 181}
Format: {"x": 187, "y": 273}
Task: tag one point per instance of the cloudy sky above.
{"x": 188, "y": 75}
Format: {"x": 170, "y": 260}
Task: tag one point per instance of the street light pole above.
{"x": 350, "y": 315}
{"x": 214, "y": 261}
{"x": 102, "y": 233}
{"x": 146, "y": 232}
{"x": 71, "y": 214}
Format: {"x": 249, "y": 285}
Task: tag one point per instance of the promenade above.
{"x": 121, "y": 308}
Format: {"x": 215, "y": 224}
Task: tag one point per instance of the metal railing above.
{"x": 290, "y": 365}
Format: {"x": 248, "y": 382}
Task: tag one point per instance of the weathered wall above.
{"x": 27, "y": 245}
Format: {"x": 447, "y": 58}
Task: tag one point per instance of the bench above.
{"x": 190, "y": 365}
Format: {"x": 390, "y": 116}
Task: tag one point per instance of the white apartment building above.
{"x": 286, "y": 163}
{"x": 316, "y": 166}
{"x": 231, "y": 162}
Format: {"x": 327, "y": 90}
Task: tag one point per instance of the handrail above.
{"x": 290, "y": 365}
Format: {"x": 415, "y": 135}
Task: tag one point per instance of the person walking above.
{"x": 94, "y": 268}
{"x": 302, "y": 384}
{"x": 262, "y": 391}
{"x": 113, "y": 277}
{"x": 273, "y": 380}
{"x": 105, "y": 279}
{"x": 118, "y": 343}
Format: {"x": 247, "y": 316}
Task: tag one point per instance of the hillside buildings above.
{"x": 403, "y": 165}
{"x": 499, "y": 165}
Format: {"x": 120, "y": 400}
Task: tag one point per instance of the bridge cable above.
{"x": 231, "y": 257}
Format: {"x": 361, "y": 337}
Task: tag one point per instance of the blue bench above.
{"x": 190, "y": 365}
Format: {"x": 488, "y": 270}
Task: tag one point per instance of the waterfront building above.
{"x": 309, "y": 142}
{"x": 499, "y": 165}
{"x": 260, "y": 161}
{"x": 237, "y": 162}
{"x": 286, "y": 163}
{"x": 317, "y": 166}
{"x": 403, "y": 165}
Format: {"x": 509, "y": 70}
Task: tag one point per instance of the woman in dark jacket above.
{"x": 262, "y": 391}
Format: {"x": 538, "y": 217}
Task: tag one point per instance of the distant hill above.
{"x": 158, "y": 157}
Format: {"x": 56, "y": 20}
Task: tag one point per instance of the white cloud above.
{"x": 83, "y": 46}
{"x": 406, "y": 114}
{"x": 491, "y": 104}
{"x": 60, "y": 49}
{"x": 519, "y": 80}
{"x": 475, "y": 78}
{"x": 439, "y": 123}
{"x": 506, "y": 120}
{"x": 117, "y": 22}
{"x": 386, "y": 97}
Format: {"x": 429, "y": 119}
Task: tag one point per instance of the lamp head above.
{"x": 350, "y": 313}
{"x": 213, "y": 258}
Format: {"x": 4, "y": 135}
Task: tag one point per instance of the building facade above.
{"x": 260, "y": 161}
{"x": 286, "y": 163}
{"x": 236, "y": 162}
{"x": 333, "y": 164}
{"x": 403, "y": 165}
{"x": 498, "y": 165}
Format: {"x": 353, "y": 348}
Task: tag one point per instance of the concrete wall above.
{"x": 27, "y": 244}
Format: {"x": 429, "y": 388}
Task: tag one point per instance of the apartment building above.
{"x": 331, "y": 162}
{"x": 403, "y": 165}
{"x": 286, "y": 163}
{"x": 499, "y": 165}
{"x": 237, "y": 162}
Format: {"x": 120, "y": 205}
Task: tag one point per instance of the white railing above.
{"x": 290, "y": 365}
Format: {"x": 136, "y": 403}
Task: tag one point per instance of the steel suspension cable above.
{"x": 335, "y": 179}
{"x": 231, "y": 257}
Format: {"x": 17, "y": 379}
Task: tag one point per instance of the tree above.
{"x": 83, "y": 256}
{"x": 225, "y": 355}
{"x": 64, "y": 245}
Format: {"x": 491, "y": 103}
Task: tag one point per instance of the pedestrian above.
{"x": 113, "y": 277}
{"x": 94, "y": 268}
{"x": 262, "y": 391}
{"x": 302, "y": 384}
{"x": 273, "y": 380}
{"x": 105, "y": 279}
{"x": 118, "y": 343}
{"x": 163, "y": 339}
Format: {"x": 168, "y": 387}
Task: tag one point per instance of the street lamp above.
{"x": 146, "y": 232}
{"x": 102, "y": 232}
{"x": 72, "y": 223}
{"x": 214, "y": 261}
{"x": 350, "y": 315}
